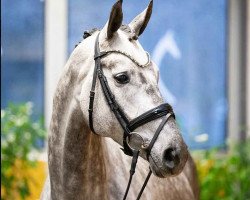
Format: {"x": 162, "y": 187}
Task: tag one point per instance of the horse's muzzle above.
{"x": 171, "y": 158}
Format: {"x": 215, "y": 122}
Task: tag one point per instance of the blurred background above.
{"x": 201, "y": 48}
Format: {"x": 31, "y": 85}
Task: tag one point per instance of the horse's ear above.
{"x": 139, "y": 23}
{"x": 115, "y": 19}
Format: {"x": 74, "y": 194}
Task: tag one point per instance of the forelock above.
{"x": 126, "y": 28}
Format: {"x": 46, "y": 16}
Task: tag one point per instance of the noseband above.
{"x": 163, "y": 111}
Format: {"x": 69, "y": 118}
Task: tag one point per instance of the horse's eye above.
{"x": 122, "y": 78}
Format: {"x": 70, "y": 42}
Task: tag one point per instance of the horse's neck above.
{"x": 94, "y": 169}
{"x": 76, "y": 156}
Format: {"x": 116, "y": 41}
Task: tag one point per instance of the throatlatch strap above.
{"x": 97, "y": 57}
{"x": 92, "y": 91}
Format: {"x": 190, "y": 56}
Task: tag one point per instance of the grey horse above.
{"x": 84, "y": 165}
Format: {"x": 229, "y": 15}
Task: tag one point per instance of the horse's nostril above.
{"x": 171, "y": 158}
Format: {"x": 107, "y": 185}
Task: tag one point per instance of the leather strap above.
{"x": 150, "y": 115}
{"x": 92, "y": 91}
{"x": 159, "y": 129}
{"x": 144, "y": 184}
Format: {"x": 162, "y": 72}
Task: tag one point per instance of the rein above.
{"x": 163, "y": 111}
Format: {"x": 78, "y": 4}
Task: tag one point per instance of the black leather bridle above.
{"x": 163, "y": 111}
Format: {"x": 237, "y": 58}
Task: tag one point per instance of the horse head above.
{"x": 133, "y": 79}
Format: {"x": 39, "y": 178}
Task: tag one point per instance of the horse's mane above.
{"x": 90, "y": 32}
